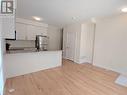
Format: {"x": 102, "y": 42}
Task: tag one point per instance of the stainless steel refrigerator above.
{"x": 41, "y": 43}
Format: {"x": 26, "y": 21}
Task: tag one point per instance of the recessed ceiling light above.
{"x": 124, "y": 10}
{"x": 74, "y": 18}
{"x": 37, "y": 18}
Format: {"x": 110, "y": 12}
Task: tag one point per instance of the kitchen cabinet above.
{"x": 41, "y": 31}
{"x": 21, "y": 31}
{"x": 27, "y": 30}
{"x": 31, "y": 32}
{"x": 8, "y": 27}
{"x": 8, "y": 23}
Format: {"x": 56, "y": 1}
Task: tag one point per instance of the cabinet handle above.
{"x": 15, "y": 34}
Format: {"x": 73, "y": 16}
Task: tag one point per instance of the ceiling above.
{"x": 62, "y": 12}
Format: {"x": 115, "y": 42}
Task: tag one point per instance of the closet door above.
{"x": 70, "y": 45}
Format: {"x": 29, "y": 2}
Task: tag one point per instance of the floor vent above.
{"x": 122, "y": 80}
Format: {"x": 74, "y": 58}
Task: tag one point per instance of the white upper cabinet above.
{"x": 8, "y": 23}
{"x": 31, "y": 32}
{"x": 8, "y": 27}
{"x": 27, "y": 29}
{"x": 41, "y": 31}
{"x": 21, "y": 31}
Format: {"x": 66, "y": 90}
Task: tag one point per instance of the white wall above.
{"x": 55, "y": 36}
{"x": 2, "y": 67}
{"x": 111, "y": 43}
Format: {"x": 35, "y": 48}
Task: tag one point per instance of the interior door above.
{"x": 70, "y": 45}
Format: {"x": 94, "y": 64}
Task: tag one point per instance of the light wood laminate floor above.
{"x": 70, "y": 79}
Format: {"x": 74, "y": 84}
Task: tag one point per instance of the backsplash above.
{"x": 21, "y": 43}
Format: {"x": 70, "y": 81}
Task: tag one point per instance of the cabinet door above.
{"x": 21, "y": 31}
{"x": 8, "y": 27}
{"x": 31, "y": 32}
{"x": 41, "y": 31}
